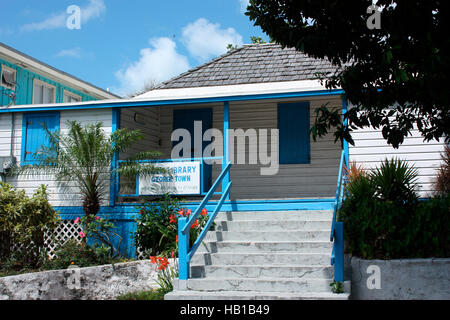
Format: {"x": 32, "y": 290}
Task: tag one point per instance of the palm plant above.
{"x": 85, "y": 156}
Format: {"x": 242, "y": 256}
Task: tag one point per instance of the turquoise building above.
{"x": 25, "y": 80}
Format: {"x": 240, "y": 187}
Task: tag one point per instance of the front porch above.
{"x": 254, "y": 154}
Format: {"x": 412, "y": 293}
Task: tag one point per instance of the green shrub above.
{"x": 24, "y": 221}
{"x": 157, "y": 226}
{"x": 442, "y": 180}
{"x": 101, "y": 231}
{"x": 156, "y": 294}
{"x": 80, "y": 255}
{"x": 154, "y": 233}
{"x": 383, "y": 218}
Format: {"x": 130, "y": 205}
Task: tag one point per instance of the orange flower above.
{"x": 188, "y": 212}
{"x": 181, "y": 212}
{"x": 152, "y": 259}
{"x": 172, "y": 218}
{"x": 204, "y": 212}
{"x": 177, "y": 239}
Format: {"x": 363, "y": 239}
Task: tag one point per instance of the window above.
{"x": 293, "y": 123}
{"x": 34, "y": 135}
{"x": 8, "y": 77}
{"x": 43, "y": 92}
{"x": 70, "y": 97}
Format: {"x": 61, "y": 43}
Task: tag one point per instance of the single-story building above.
{"x": 261, "y": 94}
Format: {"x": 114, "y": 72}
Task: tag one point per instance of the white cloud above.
{"x": 72, "y": 53}
{"x": 205, "y": 40}
{"x": 244, "y": 4}
{"x": 156, "y": 64}
{"x": 94, "y": 9}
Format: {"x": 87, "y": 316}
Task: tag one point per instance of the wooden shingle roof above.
{"x": 253, "y": 63}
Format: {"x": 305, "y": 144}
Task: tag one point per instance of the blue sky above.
{"x": 122, "y": 45}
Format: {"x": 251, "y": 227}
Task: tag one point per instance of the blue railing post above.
{"x": 183, "y": 249}
{"x": 339, "y": 252}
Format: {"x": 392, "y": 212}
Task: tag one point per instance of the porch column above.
{"x": 114, "y": 179}
{"x": 226, "y": 145}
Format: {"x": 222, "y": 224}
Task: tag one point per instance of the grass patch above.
{"x": 155, "y": 294}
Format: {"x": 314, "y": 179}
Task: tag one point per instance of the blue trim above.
{"x": 338, "y": 252}
{"x": 129, "y": 210}
{"x": 114, "y": 180}
{"x": 25, "y": 118}
{"x": 158, "y": 103}
{"x": 226, "y": 145}
{"x": 345, "y": 123}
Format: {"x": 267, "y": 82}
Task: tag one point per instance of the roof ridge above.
{"x": 228, "y": 53}
{"x": 24, "y": 55}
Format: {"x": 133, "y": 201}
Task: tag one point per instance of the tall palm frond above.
{"x": 85, "y": 156}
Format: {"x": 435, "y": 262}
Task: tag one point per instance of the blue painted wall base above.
{"x": 123, "y": 215}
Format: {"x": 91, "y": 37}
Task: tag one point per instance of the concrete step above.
{"x": 259, "y": 284}
{"x": 257, "y": 271}
{"x": 277, "y": 225}
{"x": 252, "y": 236}
{"x": 275, "y": 215}
{"x": 252, "y": 295}
{"x": 310, "y": 259}
{"x": 266, "y": 246}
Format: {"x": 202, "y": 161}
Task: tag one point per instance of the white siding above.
{"x": 5, "y": 134}
{"x": 371, "y": 150}
{"x": 59, "y": 195}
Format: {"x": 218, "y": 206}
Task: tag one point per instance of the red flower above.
{"x": 141, "y": 211}
{"x": 204, "y": 212}
{"x": 176, "y": 239}
{"x": 172, "y": 254}
{"x": 181, "y": 212}
{"x": 172, "y": 218}
{"x": 195, "y": 224}
{"x": 188, "y": 212}
{"x": 152, "y": 259}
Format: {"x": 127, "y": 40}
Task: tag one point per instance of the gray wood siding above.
{"x": 316, "y": 179}
{"x": 148, "y": 124}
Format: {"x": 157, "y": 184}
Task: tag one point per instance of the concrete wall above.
{"x": 400, "y": 279}
{"x": 96, "y": 283}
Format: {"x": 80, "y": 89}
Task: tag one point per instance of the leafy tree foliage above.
{"x": 395, "y": 76}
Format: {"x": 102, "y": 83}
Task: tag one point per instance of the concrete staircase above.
{"x": 263, "y": 255}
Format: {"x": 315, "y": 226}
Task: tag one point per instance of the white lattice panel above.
{"x": 65, "y": 231}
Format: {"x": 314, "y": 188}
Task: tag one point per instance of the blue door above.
{"x": 184, "y": 119}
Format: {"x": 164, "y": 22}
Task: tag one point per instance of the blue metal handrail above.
{"x": 184, "y": 225}
{"x": 337, "y": 228}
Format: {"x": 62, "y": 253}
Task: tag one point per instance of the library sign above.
{"x": 184, "y": 179}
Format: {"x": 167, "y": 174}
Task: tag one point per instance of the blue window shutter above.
{"x": 293, "y": 123}
{"x": 34, "y": 135}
